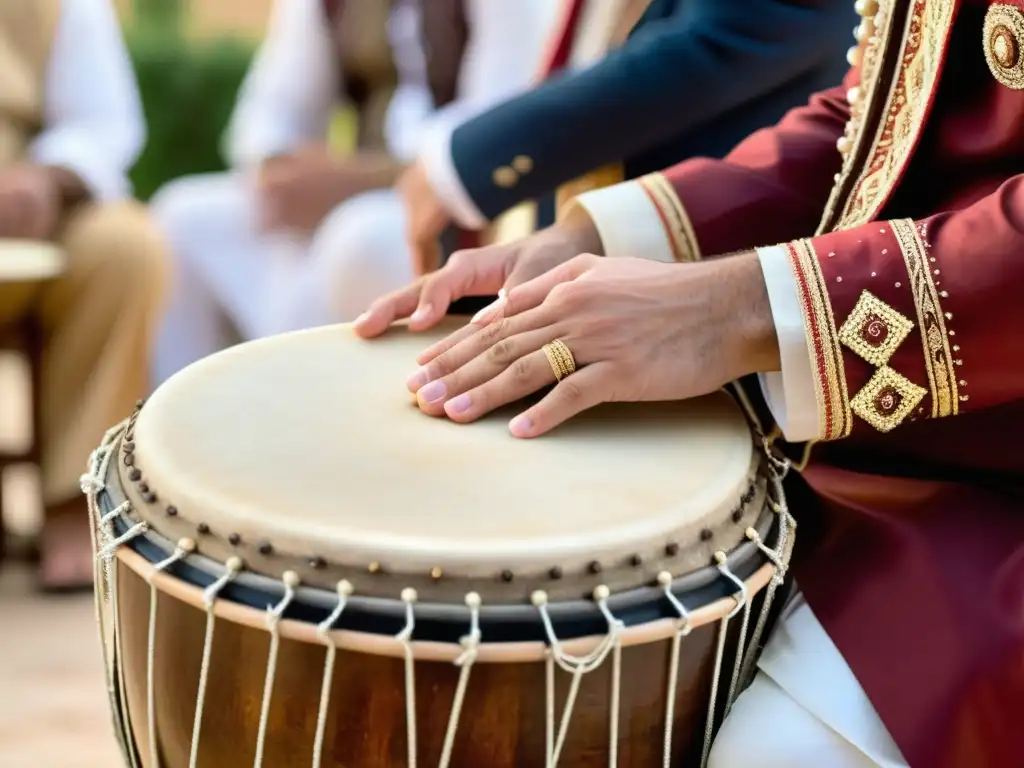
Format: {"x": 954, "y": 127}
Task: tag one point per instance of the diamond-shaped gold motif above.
{"x": 887, "y": 399}
{"x": 874, "y": 330}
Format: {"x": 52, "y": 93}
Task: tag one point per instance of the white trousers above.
{"x": 805, "y": 709}
{"x": 227, "y": 269}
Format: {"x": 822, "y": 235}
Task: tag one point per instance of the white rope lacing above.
{"x": 780, "y": 557}
{"x": 405, "y": 638}
{"x": 741, "y": 598}
{"x": 290, "y": 580}
{"x": 106, "y": 546}
{"x": 323, "y": 631}
{"x": 233, "y": 567}
{"x": 185, "y": 547}
{"x": 578, "y": 666}
{"x": 93, "y": 484}
{"x": 683, "y": 628}
{"x": 470, "y": 647}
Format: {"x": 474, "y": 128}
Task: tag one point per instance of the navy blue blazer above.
{"x": 694, "y": 78}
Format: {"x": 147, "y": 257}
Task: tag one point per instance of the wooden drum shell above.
{"x": 502, "y": 724}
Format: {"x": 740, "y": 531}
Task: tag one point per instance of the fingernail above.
{"x": 433, "y": 392}
{"x": 484, "y": 315}
{"x": 457, "y": 405}
{"x": 521, "y": 426}
{"x": 418, "y": 379}
{"x": 362, "y": 318}
{"x": 421, "y": 313}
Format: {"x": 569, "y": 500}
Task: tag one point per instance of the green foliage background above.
{"x": 188, "y": 92}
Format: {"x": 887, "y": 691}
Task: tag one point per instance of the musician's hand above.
{"x": 479, "y": 272}
{"x": 638, "y": 330}
{"x": 426, "y": 218}
{"x": 30, "y": 202}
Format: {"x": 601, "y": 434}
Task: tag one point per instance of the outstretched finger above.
{"x": 389, "y": 308}
{"x": 467, "y": 273}
{"x": 532, "y": 293}
{"x": 589, "y": 386}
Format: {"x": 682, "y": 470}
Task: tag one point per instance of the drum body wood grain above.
{"x": 502, "y": 723}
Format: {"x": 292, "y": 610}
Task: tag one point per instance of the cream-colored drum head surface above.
{"x": 29, "y": 260}
{"x": 311, "y": 444}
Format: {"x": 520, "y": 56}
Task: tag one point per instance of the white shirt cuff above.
{"x": 790, "y": 394}
{"x": 628, "y": 222}
{"x": 68, "y": 149}
{"x": 436, "y": 156}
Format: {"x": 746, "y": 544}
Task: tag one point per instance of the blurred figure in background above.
{"x": 633, "y": 86}
{"x": 295, "y": 236}
{"x": 70, "y": 128}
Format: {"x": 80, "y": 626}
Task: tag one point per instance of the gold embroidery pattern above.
{"x": 887, "y": 399}
{"x": 907, "y": 104}
{"x": 874, "y": 330}
{"x": 938, "y": 357}
{"x": 673, "y": 216}
{"x": 834, "y": 417}
{"x": 1002, "y": 37}
{"x": 881, "y": 30}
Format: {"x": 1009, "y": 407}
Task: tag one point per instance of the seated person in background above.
{"x": 294, "y": 236}
{"x": 70, "y": 128}
{"x": 632, "y": 86}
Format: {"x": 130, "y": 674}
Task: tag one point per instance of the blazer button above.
{"x": 522, "y": 163}
{"x": 505, "y": 177}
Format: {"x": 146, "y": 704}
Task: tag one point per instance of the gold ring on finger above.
{"x": 560, "y": 358}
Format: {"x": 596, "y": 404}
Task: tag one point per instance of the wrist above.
{"x": 578, "y": 229}
{"x": 749, "y": 324}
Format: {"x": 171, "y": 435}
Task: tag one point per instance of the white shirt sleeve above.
{"x": 291, "y": 88}
{"x": 92, "y": 115}
{"x": 627, "y": 222}
{"x": 501, "y": 61}
{"x": 790, "y": 393}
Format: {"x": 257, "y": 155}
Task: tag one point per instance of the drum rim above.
{"x": 744, "y": 560}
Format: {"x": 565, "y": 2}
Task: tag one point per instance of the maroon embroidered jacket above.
{"x": 912, "y": 293}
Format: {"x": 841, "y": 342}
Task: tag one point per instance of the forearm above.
{"x": 747, "y": 319}
{"x": 670, "y": 79}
